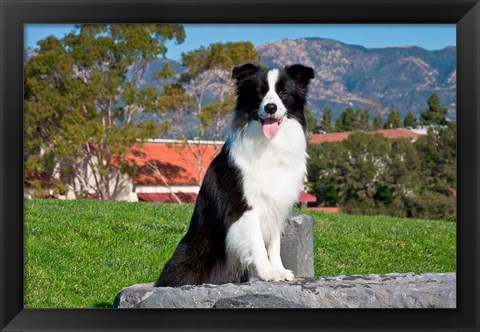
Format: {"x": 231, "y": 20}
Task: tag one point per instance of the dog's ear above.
{"x": 300, "y": 74}
{"x": 244, "y": 71}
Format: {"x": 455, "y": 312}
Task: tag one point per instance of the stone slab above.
{"x": 255, "y": 301}
{"x": 429, "y": 290}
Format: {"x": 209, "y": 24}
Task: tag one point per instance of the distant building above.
{"x": 388, "y": 133}
{"x": 172, "y": 170}
{"x": 168, "y": 171}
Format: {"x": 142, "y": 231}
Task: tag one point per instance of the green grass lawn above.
{"x": 80, "y": 254}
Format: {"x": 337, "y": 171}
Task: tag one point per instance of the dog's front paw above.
{"x": 276, "y": 275}
{"x": 287, "y": 275}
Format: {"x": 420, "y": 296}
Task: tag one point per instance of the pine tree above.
{"x": 312, "y": 122}
{"x": 361, "y": 120}
{"x": 435, "y": 114}
{"x": 346, "y": 121}
{"x": 326, "y": 122}
{"x": 377, "y": 123}
{"x": 393, "y": 120}
{"x": 437, "y": 155}
{"x": 410, "y": 121}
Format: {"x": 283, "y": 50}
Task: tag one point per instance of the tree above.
{"x": 438, "y": 154}
{"x": 377, "y": 123}
{"x": 403, "y": 181}
{"x": 201, "y": 101}
{"x": 361, "y": 121}
{"x": 326, "y": 122}
{"x": 345, "y": 121}
{"x": 435, "y": 114}
{"x": 208, "y": 81}
{"x": 326, "y": 172}
{"x": 80, "y": 104}
{"x": 410, "y": 121}
{"x": 393, "y": 120}
{"x": 369, "y": 174}
{"x": 351, "y": 173}
{"x": 312, "y": 122}
{"x": 367, "y": 171}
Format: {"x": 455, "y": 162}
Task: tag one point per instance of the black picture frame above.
{"x": 14, "y": 13}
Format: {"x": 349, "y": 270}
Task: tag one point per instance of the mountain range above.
{"x": 372, "y": 78}
{"x": 355, "y": 76}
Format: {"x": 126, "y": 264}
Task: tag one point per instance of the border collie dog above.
{"x": 250, "y": 187}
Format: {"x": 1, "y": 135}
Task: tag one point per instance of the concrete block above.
{"x": 297, "y": 245}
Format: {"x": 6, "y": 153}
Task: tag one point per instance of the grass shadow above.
{"x": 103, "y": 305}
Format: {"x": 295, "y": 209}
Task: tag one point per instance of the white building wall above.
{"x": 165, "y": 190}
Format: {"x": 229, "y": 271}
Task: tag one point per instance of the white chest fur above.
{"x": 273, "y": 171}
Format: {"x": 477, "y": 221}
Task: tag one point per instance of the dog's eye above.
{"x": 282, "y": 93}
{"x": 262, "y": 92}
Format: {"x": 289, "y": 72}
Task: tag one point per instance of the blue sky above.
{"x": 428, "y": 36}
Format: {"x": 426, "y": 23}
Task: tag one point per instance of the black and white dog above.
{"x": 250, "y": 186}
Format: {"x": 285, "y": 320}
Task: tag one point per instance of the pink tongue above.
{"x": 270, "y": 128}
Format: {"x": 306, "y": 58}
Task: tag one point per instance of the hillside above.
{"x": 349, "y": 75}
{"x": 355, "y": 76}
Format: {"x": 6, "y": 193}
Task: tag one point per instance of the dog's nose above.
{"x": 270, "y": 108}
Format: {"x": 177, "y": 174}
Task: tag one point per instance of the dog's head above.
{"x": 270, "y": 96}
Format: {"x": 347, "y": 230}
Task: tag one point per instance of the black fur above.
{"x": 219, "y": 204}
{"x": 252, "y": 86}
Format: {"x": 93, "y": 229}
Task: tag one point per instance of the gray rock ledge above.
{"x": 429, "y": 290}
{"x": 251, "y": 301}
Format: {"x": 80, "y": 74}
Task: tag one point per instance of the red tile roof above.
{"x": 176, "y": 163}
{"x": 397, "y": 133}
{"x": 307, "y": 198}
{"x": 192, "y": 197}
{"x": 179, "y": 166}
{"x": 338, "y": 137}
{"x": 328, "y": 137}
{"x": 167, "y": 197}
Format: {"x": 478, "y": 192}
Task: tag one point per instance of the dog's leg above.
{"x": 245, "y": 242}
{"x": 273, "y": 251}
